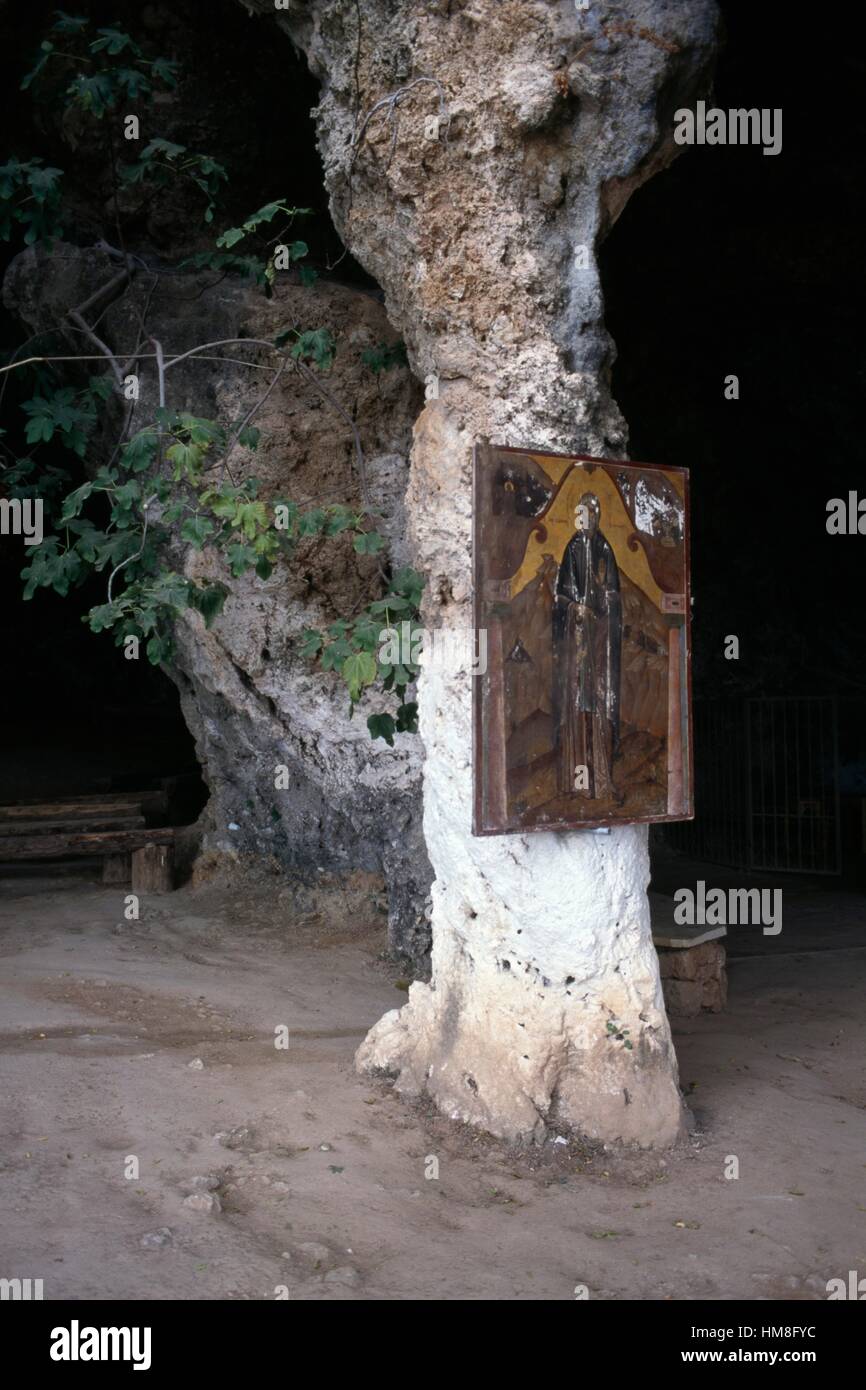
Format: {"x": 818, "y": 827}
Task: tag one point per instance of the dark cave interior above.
{"x": 733, "y": 262}
{"x": 736, "y": 262}
{"x": 728, "y": 262}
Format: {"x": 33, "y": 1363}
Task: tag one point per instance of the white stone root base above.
{"x": 542, "y": 959}
{"x": 506, "y": 1043}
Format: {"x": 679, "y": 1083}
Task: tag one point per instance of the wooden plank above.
{"x": 102, "y": 843}
{"x": 71, "y": 825}
{"x": 120, "y": 803}
{"x": 153, "y": 869}
{"x": 89, "y": 798}
{"x": 59, "y": 810}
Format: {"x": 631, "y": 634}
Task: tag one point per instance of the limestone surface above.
{"x": 475, "y": 152}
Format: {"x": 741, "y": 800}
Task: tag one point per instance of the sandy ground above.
{"x": 320, "y": 1177}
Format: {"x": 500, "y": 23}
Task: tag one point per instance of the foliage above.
{"x": 355, "y": 649}
{"x": 95, "y": 83}
{"x": 30, "y": 196}
{"x": 317, "y": 345}
{"x": 617, "y": 1033}
{"x": 162, "y": 489}
{"x": 263, "y": 269}
{"x": 385, "y": 356}
{"x": 96, "y": 77}
{"x": 168, "y": 485}
{"x": 161, "y": 162}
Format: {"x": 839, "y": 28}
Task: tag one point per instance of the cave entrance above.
{"x": 729, "y": 293}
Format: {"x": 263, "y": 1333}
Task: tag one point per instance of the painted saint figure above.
{"x": 587, "y": 638}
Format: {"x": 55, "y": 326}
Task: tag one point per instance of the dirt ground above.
{"x": 155, "y": 1039}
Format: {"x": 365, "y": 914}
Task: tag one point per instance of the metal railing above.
{"x": 766, "y": 785}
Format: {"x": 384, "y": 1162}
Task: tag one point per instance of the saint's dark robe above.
{"x": 587, "y": 640}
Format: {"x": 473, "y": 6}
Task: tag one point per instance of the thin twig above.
{"x": 76, "y": 318}
{"x": 133, "y": 361}
{"x": 124, "y": 433}
{"x": 239, "y": 361}
{"x": 390, "y": 103}
{"x": 160, "y": 368}
{"x": 142, "y": 329}
{"x": 125, "y": 256}
{"x": 221, "y": 342}
{"x": 103, "y": 290}
{"x": 251, "y": 414}
{"x": 136, "y": 356}
{"x": 138, "y": 552}
{"x": 163, "y": 365}
{"x": 34, "y": 337}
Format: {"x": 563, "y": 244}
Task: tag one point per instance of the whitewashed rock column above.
{"x": 484, "y": 235}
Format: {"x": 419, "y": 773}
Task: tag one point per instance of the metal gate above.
{"x": 766, "y": 785}
{"x": 793, "y": 787}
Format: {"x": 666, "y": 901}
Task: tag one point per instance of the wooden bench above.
{"x": 113, "y": 826}
{"x": 148, "y": 803}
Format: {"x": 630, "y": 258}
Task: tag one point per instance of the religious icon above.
{"x": 581, "y": 586}
{"x": 587, "y": 635}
